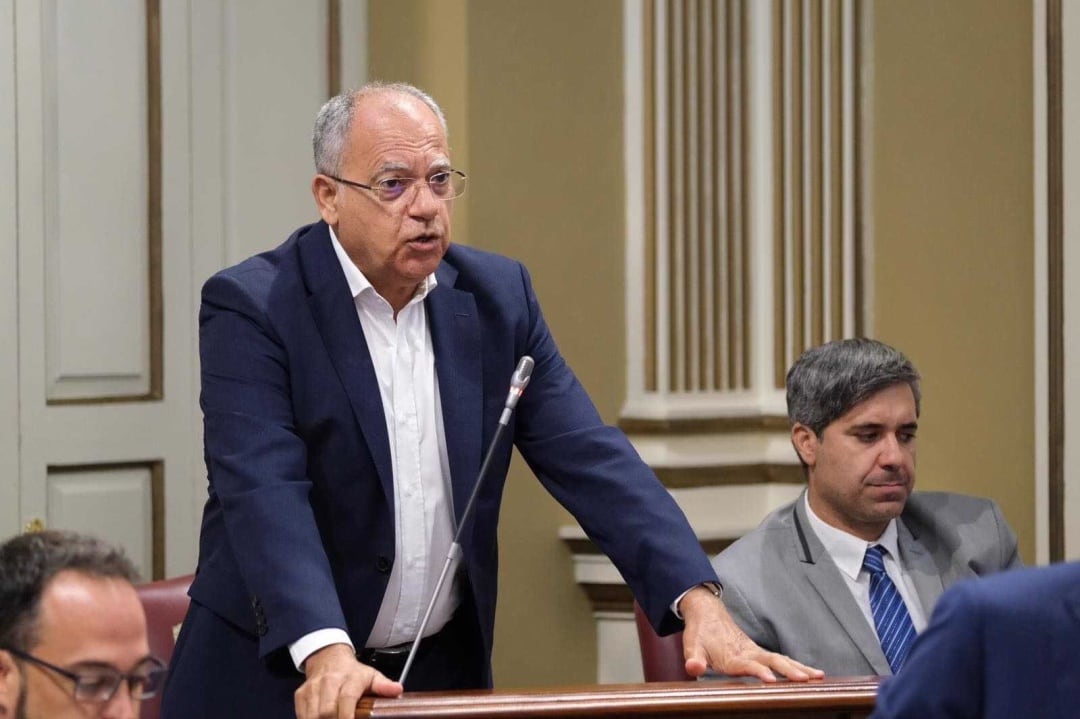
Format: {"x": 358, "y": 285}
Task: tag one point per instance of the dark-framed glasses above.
{"x": 99, "y": 683}
{"x": 444, "y": 185}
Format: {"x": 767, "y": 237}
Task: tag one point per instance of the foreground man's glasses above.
{"x": 99, "y": 684}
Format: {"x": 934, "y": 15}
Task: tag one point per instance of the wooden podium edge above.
{"x": 685, "y": 699}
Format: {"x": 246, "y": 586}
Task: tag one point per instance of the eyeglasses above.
{"x": 445, "y": 185}
{"x": 100, "y": 683}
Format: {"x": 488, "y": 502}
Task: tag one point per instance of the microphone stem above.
{"x": 454, "y": 554}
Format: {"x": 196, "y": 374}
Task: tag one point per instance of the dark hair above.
{"x": 29, "y": 561}
{"x": 827, "y": 381}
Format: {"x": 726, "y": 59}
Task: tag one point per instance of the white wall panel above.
{"x": 184, "y": 477}
{"x": 354, "y": 15}
{"x": 88, "y": 500}
{"x": 275, "y": 81}
{"x": 92, "y": 81}
{"x": 96, "y": 150}
{"x": 235, "y": 86}
{"x": 9, "y": 356}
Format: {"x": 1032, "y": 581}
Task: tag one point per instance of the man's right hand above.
{"x": 336, "y": 681}
{"x": 713, "y": 639}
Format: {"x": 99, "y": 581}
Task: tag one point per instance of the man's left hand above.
{"x": 712, "y": 639}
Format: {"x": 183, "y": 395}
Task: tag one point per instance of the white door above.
{"x": 143, "y": 145}
{"x": 104, "y": 327}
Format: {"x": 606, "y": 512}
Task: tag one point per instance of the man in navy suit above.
{"x": 351, "y": 381}
{"x": 1001, "y": 646}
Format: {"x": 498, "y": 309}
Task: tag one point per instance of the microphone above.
{"x": 518, "y": 382}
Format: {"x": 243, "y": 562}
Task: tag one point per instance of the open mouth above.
{"x": 424, "y": 241}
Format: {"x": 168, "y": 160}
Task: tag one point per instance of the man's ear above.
{"x": 325, "y": 192}
{"x": 806, "y": 443}
{"x": 10, "y": 685}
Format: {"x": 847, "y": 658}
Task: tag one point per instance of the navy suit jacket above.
{"x": 1002, "y": 646}
{"x": 298, "y": 528}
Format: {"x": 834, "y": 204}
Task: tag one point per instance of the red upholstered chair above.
{"x": 661, "y": 657}
{"x": 165, "y": 603}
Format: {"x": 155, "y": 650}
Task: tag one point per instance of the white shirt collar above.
{"x": 847, "y": 550}
{"x": 358, "y": 283}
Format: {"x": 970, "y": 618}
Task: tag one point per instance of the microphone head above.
{"x": 523, "y": 373}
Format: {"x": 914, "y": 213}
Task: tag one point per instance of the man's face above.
{"x": 85, "y": 623}
{"x": 395, "y": 244}
{"x": 862, "y": 468}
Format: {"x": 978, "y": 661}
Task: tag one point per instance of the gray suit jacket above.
{"x": 786, "y": 593}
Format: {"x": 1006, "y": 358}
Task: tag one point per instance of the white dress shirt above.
{"x": 404, "y": 361}
{"x": 847, "y": 552}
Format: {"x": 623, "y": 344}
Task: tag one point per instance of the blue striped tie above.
{"x": 891, "y": 618}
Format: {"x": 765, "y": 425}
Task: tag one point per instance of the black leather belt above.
{"x": 388, "y": 660}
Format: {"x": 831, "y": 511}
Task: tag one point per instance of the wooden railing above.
{"x": 845, "y": 698}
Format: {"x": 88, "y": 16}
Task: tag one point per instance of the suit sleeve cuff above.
{"x": 308, "y": 644}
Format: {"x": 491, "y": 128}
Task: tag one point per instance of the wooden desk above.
{"x": 839, "y": 698}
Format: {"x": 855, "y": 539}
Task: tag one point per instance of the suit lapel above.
{"x": 920, "y": 566}
{"x": 455, "y": 336}
{"x": 830, "y": 585}
{"x": 335, "y": 315}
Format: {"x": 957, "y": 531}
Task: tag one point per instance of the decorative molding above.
{"x": 697, "y": 269}
{"x": 156, "y": 469}
{"x": 729, "y": 278}
{"x": 333, "y": 47}
{"x": 609, "y": 597}
{"x": 733, "y": 474}
{"x": 154, "y": 198}
{"x": 703, "y": 425}
{"x": 817, "y": 203}
{"x": 1055, "y": 281}
{"x": 584, "y": 546}
{"x": 613, "y": 596}
{"x": 155, "y": 295}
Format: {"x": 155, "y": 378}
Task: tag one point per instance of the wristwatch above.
{"x": 715, "y": 588}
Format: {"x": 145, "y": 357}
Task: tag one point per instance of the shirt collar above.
{"x": 359, "y": 284}
{"x": 847, "y": 550}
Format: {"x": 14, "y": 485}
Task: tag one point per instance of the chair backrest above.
{"x": 165, "y": 603}
{"x": 661, "y": 657}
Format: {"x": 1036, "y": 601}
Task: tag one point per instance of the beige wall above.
{"x": 953, "y": 245}
{"x": 546, "y": 93}
{"x": 533, "y": 92}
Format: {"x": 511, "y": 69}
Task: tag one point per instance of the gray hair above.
{"x": 827, "y": 381}
{"x": 29, "y": 562}
{"x": 331, "y": 133}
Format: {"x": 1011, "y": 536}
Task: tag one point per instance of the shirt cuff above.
{"x": 308, "y": 644}
{"x": 714, "y": 587}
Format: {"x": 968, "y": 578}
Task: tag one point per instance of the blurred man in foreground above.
{"x": 1002, "y": 647}
{"x": 72, "y": 631}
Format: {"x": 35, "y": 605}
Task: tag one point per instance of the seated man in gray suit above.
{"x": 845, "y": 576}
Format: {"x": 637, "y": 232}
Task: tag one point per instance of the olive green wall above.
{"x": 533, "y": 93}
{"x": 953, "y": 223}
